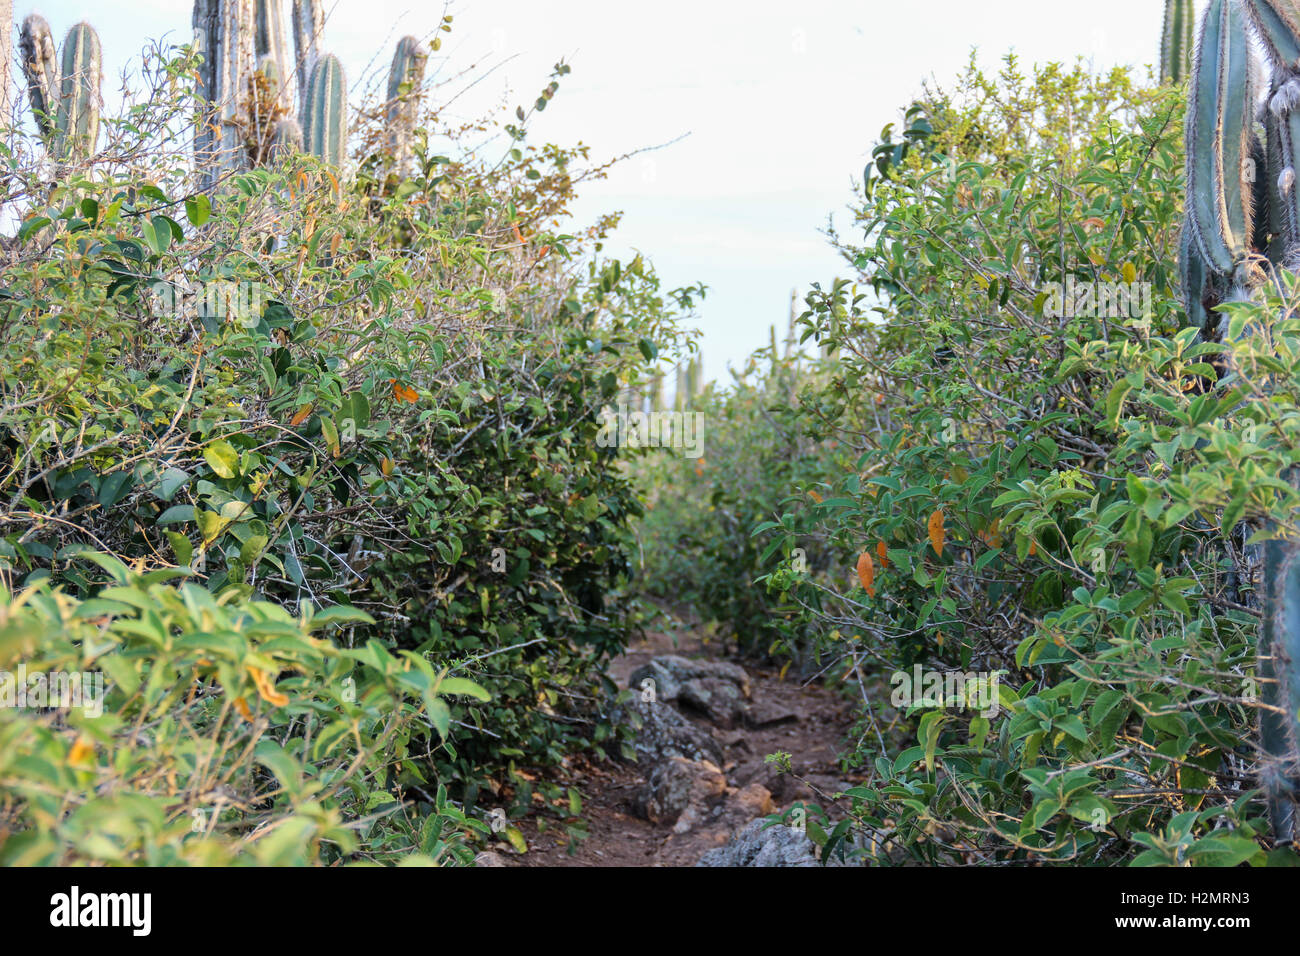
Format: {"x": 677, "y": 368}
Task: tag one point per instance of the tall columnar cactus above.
{"x": 40, "y": 63}
{"x": 6, "y": 60}
{"x": 308, "y": 26}
{"x": 325, "y": 130}
{"x": 223, "y": 34}
{"x": 79, "y": 102}
{"x": 405, "y": 81}
{"x": 1242, "y": 231}
{"x": 1177, "y": 41}
{"x": 271, "y": 47}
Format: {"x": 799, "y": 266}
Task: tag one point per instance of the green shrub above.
{"x": 208, "y": 731}
{"x": 405, "y": 381}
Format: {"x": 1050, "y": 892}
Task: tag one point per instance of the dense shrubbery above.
{"x": 395, "y": 412}
{"x": 1059, "y": 496}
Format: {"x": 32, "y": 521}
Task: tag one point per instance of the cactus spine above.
{"x": 325, "y": 130}
{"x": 40, "y": 64}
{"x": 82, "y": 73}
{"x": 1177, "y": 40}
{"x": 405, "y": 81}
{"x": 1242, "y": 230}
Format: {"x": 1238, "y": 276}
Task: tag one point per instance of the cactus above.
{"x": 223, "y": 34}
{"x": 1242, "y": 230}
{"x": 325, "y": 131}
{"x": 272, "y": 51}
{"x": 308, "y": 25}
{"x": 6, "y": 57}
{"x": 82, "y": 71}
{"x": 405, "y": 80}
{"x": 41, "y": 68}
{"x": 1176, "y": 43}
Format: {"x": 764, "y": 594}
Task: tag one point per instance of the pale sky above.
{"x": 782, "y": 103}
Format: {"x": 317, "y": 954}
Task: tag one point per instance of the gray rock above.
{"x": 761, "y": 845}
{"x": 662, "y": 733}
{"x": 669, "y": 672}
{"x": 676, "y": 787}
{"x": 717, "y": 698}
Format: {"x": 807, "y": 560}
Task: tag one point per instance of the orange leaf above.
{"x": 404, "y": 394}
{"x": 386, "y": 466}
{"x": 519, "y": 236}
{"x": 81, "y": 751}
{"x": 1033, "y": 548}
{"x": 304, "y": 413}
{"x": 335, "y": 243}
{"x": 241, "y": 705}
{"x": 883, "y": 553}
{"x": 545, "y": 251}
{"x": 936, "y": 531}
{"x": 266, "y": 688}
{"x": 815, "y": 497}
{"x": 867, "y": 573}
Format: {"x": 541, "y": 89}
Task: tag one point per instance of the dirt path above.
{"x": 812, "y": 724}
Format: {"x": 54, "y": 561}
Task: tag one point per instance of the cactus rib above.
{"x": 82, "y": 71}
{"x": 325, "y": 120}
{"x": 405, "y": 80}
{"x": 1177, "y": 41}
{"x": 308, "y": 25}
{"x": 1220, "y": 124}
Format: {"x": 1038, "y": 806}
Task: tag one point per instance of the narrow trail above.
{"x": 809, "y": 722}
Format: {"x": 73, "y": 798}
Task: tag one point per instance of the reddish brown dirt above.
{"x": 618, "y": 838}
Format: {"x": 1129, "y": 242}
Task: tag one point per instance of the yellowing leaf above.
{"x": 266, "y": 688}
{"x": 1130, "y": 273}
{"x": 386, "y": 466}
{"x": 303, "y": 414}
{"x": 867, "y": 574}
{"x": 222, "y": 458}
{"x": 241, "y": 705}
{"x": 81, "y": 751}
{"x": 935, "y": 526}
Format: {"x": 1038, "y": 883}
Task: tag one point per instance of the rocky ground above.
{"x": 700, "y": 785}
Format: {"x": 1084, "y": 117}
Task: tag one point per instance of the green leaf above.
{"x": 222, "y": 458}
{"x": 197, "y": 209}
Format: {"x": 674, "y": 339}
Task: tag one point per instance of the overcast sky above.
{"x": 781, "y": 101}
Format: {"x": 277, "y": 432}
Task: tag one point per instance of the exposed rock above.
{"x": 717, "y": 698}
{"x": 669, "y": 672}
{"x": 490, "y": 858}
{"x": 761, "y": 845}
{"x": 661, "y": 732}
{"x": 752, "y": 801}
{"x": 679, "y": 792}
{"x": 763, "y": 714}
